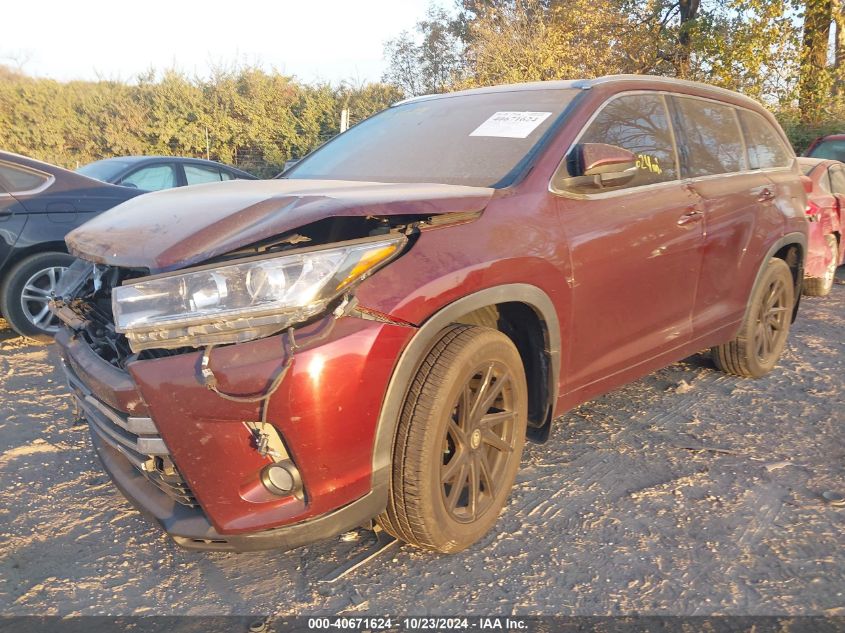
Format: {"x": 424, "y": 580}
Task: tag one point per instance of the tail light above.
{"x": 813, "y": 211}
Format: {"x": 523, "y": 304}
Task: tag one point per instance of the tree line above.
{"x": 790, "y": 54}
{"x": 248, "y": 117}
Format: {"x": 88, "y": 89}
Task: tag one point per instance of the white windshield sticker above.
{"x": 511, "y": 124}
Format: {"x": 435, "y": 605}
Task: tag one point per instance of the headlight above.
{"x": 242, "y": 301}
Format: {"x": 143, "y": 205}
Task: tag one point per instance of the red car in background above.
{"x": 825, "y": 204}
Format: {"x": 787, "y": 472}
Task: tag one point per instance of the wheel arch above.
{"x": 791, "y": 248}
{"x": 415, "y": 351}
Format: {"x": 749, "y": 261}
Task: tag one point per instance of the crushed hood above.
{"x": 175, "y": 228}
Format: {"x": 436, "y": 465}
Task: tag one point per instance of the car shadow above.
{"x": 6, "y": 332}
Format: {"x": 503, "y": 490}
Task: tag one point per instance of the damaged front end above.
{"x": 267, "y": 441}
{"x": 125, "y": 314}
{"x": 244, "y": 300}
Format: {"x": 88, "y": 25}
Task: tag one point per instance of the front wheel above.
{"x": 762, "y": 337}
{"x": 821, "y": 286}
{"x": 459, "y": 441}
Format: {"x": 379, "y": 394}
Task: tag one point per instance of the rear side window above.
{"x": 198, "y": 174}
{"x": 153, "y": 178}
{"x": 713, "y": 141}
{"x": 17, "y": 180}
{"x": 640, "y": 124}
{"x": 765, "y": 148}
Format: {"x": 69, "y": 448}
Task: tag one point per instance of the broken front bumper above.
{"x": 185, "y": 457}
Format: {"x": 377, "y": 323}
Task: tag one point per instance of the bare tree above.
{"x": 16, "y": 59}
{"x": 429, "y": 62}
{"x": 403, "y": 67}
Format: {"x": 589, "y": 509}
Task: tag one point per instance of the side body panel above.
{"x": 13, "y": 219}
{"x": 634, "y": 274}
{"x": 741, "y": 218}
{"x": 837, "y": 172}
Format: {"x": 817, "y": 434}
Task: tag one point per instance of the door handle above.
{"x": 694, "y": 215}
{"x": 766, "y": 195}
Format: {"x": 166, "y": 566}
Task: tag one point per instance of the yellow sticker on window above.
{"x": 649, "y": 163}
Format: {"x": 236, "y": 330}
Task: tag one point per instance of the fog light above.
{"x": 282, "y": 478}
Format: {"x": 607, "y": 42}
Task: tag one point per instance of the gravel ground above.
{"x": 688, "y": 492}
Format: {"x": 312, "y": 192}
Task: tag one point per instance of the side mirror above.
{"x": 597, "y": 166}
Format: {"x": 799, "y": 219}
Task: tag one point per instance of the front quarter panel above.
{"x": 516, "y": 240}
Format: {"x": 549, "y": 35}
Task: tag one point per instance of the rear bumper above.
{"x": 186, "y": 458}
{"x": 818, "y": 257}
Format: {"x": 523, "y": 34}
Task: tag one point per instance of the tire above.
{"x": 821, "y": 286}
{"x": 38, "y": 274}
{"x": 441, "y": 443}
{"x": 762, "y": 337}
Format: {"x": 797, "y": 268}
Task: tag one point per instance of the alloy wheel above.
{"x": 772, "y": 320}
{"x": 36, "y": 295}
{"x": 478, "y": 443}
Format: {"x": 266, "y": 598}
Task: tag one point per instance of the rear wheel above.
{"x": 27, "y": 290}
{"x": 821, "y": 286}
{"x": 762, "y": 337}
{"x": 459, "y": 441}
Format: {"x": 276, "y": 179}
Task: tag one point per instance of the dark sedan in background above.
{"x": 153, "y": 173}
{"x": 39, "y": 204}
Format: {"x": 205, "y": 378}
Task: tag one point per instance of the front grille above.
{"x": 83, "y": 301}
{"x": 136, "y": 438}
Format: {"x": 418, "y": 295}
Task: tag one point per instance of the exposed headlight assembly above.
{"x": 238, "y": 302}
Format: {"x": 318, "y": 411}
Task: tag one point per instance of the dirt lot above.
{"x": 688, "y": 492}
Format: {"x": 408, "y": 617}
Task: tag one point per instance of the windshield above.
{"x": 104, "y": 170}
{"x": 474, "y": 139}
{"x": 833, "y": 148}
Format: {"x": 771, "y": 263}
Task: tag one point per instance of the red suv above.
{"x": 375, "y": 334}
{"x": 825, "y": 248}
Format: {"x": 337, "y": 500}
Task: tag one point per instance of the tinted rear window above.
{"x": 197, "y": 174}
{"x": 18, "y": 180}
{"x": 765, "y": 147}
{"x": 832, "y": 148}
{"x": 714, "y": 143}
{"x": 475, "y": 139}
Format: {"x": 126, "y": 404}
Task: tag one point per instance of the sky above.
{"x": 316, "y": 40}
